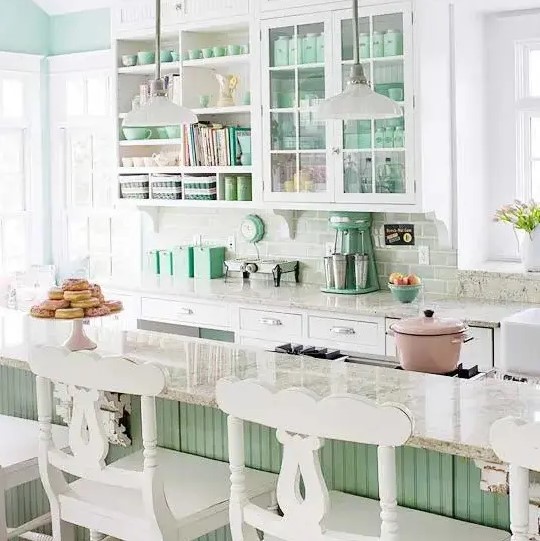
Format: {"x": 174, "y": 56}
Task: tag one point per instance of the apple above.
{"x": 414, "y": 280}
{"x": 401, "y": 281}
{"x": 394, "y": 276}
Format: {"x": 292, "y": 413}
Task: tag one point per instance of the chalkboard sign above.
{"x": 399, "y": 235}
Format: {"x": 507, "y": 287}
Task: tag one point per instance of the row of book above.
{"x": 208, "y": 144}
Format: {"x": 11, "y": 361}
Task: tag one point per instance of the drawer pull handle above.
{"x": 271, "y": 322}
{"x": 185, "y": 312}
{"x": 179, "y": 6}
{"x": 342, "y": 330}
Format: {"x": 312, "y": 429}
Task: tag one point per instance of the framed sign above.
{"x": 399, "y": 235}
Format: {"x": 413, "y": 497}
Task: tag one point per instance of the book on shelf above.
{"x": 207, "y": 144}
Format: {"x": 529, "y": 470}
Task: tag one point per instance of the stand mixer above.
{"x": 352, "y": 268}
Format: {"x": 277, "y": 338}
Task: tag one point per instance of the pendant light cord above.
{"x": 158, "y": 40}
{"x": 357, "y": 75}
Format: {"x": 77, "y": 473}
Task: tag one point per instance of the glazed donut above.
{"x": 86, "y": 303}
{"x": 56, "y": 294}
{"x": 75, "y": 284}
{"x": 69, "y": 313}
{"x": 114, "y": 306}
{"x": 54, "y": 305}
{"x": 98, "y": 311}
{"x": 95, "y": 290}
{"x": 76, "y": 296}
{"x": 39, "y": 311}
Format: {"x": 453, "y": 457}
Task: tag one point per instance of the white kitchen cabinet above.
{"x": 307, "y": 58}
{"x": 284, "y": 326}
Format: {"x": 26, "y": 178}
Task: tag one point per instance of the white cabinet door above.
{"x": 134, "y": 14}
{"x": 375, "y": 160}
{"x": 274, "y": 5}
{"x": 194, "y": 10}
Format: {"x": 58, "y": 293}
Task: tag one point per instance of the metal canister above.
{"x": 329, "y": 272}
{"x": 339, "y": 262}
{"x": 361, "y": 266}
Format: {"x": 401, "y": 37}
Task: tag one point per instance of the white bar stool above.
{"x": 151, "y": 494}
{"x": 19, "y": 443}
{"x": 518, "y": 444}
{"x": 302, "y": 420}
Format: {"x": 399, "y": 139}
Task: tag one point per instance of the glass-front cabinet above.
{"x": 308, "y": 58}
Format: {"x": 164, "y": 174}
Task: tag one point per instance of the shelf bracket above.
{"x": 291, "y": 220}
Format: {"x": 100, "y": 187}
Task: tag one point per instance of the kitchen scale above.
{"x": 252, "y": 230}
{"x": 353, "y": 236}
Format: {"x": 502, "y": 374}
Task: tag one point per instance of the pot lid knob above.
{"x": 429, "y": 313}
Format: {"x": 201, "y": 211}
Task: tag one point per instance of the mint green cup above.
{"x": 194, "y": 54}
{"x": 208, "y": 52}
{"x": 219, "y": 51}
{"x": 135, "y": 134}
{"x": 175, "y": 56}
{"x": 161, "y": 133}
{"x": 146, "y": 57}
{"x": 174, "y": 132}
{"x": 404, "y": 294}
{"x": 234, "y": 49}
{"x": 166, "y": 55}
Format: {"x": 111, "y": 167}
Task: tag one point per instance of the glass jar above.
{"x": 393, "y": 43}
{"x": 231, "y": 189}
{"x": 320, "y": 48}
{"x": 365, "y": 45}
{"x": 389, "y": 137}
{"x": 399, "y": 137}
{"x": 281, "y": 51}
{"x": 378, "y": 44}
{"x": 292, "y": 52}
{"x": 309, "y": 49}
{"x": 379, "y": 138}
{"x": 244, "y": 188}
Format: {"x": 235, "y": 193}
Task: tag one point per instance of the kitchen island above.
{"x": 436, "y": 470}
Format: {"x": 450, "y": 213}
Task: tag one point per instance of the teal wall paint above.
{"x": 24, "y": 27}
{"x": 80, "y": 32}
{"x": 427, "y": 480}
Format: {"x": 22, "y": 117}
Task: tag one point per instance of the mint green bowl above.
{"x": 146, "y": 57}
{"x": 136, "y": 134}
{"x": 166, "y": 55}
{"x": 405, "y": 294}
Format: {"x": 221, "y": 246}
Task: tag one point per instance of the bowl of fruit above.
{"x": 405, "y": 288}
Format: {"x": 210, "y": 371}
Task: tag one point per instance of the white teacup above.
{"x": 165, "y": 159}
{"x": 149, "y": 162}
{"x": 138, "y": 162}
{"x": 127, "y": 162}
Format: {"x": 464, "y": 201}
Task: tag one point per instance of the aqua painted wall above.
{"x": 24, "y": 27}
{"x": 80, "y": 32}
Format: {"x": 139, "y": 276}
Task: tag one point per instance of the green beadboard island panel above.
{"x": 427, "y": 480}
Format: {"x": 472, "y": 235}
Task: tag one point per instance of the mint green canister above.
{"x": 183, "y": 263}
{"x": 209, "y": 262}
{"x": 281, "y": 51}
{"x": 320, "y": 48}
{"x": 231, "y": 189}
{"x": 378, "y": 44}
{"x": 393, "y": 43}
{"x": 309, "y": 49}
{"x": 364, "y": 42}
{"x": 244, "y": 188}
{"x": 165, "y": 262}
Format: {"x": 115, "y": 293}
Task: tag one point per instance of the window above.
{"x": 21, "y": 238}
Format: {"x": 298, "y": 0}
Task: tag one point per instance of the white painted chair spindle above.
{"x": 518, "y": 444}
{"x": 156, "y": 494}
{"x": 302, "y": 421}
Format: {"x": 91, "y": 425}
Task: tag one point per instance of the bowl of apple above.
{"x": 404, "y": 288}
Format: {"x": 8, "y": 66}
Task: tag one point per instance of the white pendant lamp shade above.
{"x": 159, "y": 112}
{"x": 359, "y": 102}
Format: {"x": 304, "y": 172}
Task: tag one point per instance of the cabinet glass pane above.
{"x": 283, "y": 131}
{"x": 388, "y": 79}
{"x": 81, "y": 168}
{"x": 284, "y": 172}
{"x": 357, "y": 134}
{"x": 312, "y": 132}
{"x": 14, "y": 242}
{"x": 77, "y": 244}
{"x": 358, "y": 172}
{"x": 11, "y": 192}
{"x": 100, "y": 235}
{"x": 282, "y": 89}
{"x": 103, "y": 167}
{"x": 347, "y": 38}
{"x": 390, "y": 172}
{"x": 534, "y": 73}
{"x": 97, "y": 96}
{"x": 282, "y": 44}
{"x": 311, "y": 43}
{"x": 311, "y": 86}
{"x": 535, "y": 137}
{"x": 75, "y": 97}
{"x": 12, "y": 98}
{"x": 11, "y": 151}
{"x": 387, "y": 38}
{"x": 312, "y": 176}
{"x": 535, "y": 180}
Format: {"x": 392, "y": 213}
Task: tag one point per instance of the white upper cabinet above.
{"x": 307, "y": 58}
{"x": 274, "y": 5}
{"x": 131, "y": 15}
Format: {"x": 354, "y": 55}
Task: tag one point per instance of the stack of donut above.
{"x": 77, "y": 298}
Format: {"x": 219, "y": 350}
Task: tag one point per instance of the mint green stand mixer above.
{"x": 353, "y": 263}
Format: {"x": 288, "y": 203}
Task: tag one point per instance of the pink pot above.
{"x": 430, "y": 344}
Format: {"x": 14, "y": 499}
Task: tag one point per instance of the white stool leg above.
{"x": 388, "y": 493}
{"x": 519, "y": 503}
{"x": 96, "y": 536}
{"x": 61, "y": 530}
{"x": 3, "y": 520}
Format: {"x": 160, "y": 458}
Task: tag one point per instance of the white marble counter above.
{"x": 309, "y": 297}
{"x": 450, "y": 416}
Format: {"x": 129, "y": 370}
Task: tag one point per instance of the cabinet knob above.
{"x": 336, "y": 150}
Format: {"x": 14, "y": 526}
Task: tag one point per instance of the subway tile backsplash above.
{"x": 309, "y": 245}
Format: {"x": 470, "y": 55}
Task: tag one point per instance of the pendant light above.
{"x": 160, "y": 111}
{"x": 358, "y": 101}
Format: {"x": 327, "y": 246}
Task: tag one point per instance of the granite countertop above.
{"x": 310, "y": 297}
{"x": 450, "y": 415}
